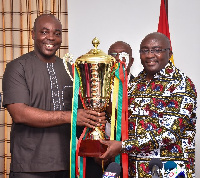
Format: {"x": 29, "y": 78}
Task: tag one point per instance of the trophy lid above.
{"x": 95, "y": 55}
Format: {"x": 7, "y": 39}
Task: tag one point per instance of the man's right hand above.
{"x": 114, "y": 148}
{"x": 90, "y": 118}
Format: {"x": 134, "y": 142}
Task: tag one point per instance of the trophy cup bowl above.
{"x": 96, "y": 73}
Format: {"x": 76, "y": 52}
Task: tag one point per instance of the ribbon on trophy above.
{"x": 122, "y": 114}
{"x": 73, "y": 123}
{"x": 124, "y": 119}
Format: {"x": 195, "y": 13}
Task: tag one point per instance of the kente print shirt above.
{"x": 162, "y": 118}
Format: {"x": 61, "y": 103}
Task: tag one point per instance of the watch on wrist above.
{"x": 123, "y": 149}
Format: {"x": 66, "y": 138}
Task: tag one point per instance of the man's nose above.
{"x": 117, "y": 57}
{"x": 150, "y": 54}
{"x": 51, "y": 36}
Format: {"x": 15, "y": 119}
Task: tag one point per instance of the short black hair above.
{"x": 38, "y": 17}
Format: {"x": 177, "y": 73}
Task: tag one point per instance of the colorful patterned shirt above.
{"x": 162, "y": 118}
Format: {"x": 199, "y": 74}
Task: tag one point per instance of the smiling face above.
{"x": 153, "y": 62}
{"x": 47, "y": 36}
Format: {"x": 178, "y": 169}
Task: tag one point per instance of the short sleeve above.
{"x": 14, "y": 85}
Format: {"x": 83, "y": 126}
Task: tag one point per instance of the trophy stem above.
{"x": 102, "y": 165}
{"x": 97, "y": 134}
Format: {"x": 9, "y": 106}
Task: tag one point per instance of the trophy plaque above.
{"x": 96, "y": 73}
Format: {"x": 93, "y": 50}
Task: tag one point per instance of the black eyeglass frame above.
{"x": 154, "y": 51}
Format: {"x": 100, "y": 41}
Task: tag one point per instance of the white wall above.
{"x": 130, "y": 21}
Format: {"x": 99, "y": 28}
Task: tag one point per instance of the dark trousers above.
{"x": 93, "y": 170}
{"x": 53, "y": 174}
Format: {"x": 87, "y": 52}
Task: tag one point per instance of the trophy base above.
{"x": 91, "y": 148}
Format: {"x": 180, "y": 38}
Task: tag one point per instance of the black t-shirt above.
{"x": 26, "y": 80}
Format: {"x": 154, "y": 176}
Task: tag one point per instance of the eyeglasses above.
{"x": 114, "y": 54}
{"x": 120, "y": 54}
{"x": 154, "y": 51}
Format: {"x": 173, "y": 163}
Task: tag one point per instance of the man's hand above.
{"x": 90, "y": 118}
{"x": 114, "y": 148}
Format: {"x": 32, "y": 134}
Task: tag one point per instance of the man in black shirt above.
{"x": 38, "y": 93}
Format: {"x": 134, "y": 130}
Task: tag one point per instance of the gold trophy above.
{"x": 96, "y": 73}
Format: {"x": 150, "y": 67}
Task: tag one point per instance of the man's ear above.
{"x": 170, "y": 54}
{"x": 129, "y": 65}
{"x": 33, "y": 34}
{"x": 131, "y": 61}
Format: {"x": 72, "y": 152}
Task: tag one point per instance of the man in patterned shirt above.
{"x": 162, "y": 115}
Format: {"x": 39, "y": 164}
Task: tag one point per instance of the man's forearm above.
{"x": 35, "y": 117}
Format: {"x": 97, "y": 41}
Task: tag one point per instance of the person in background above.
{"x": 162, "y": 115}
{"x": 37, "y": 93}
{"x": 122, "y": 51}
